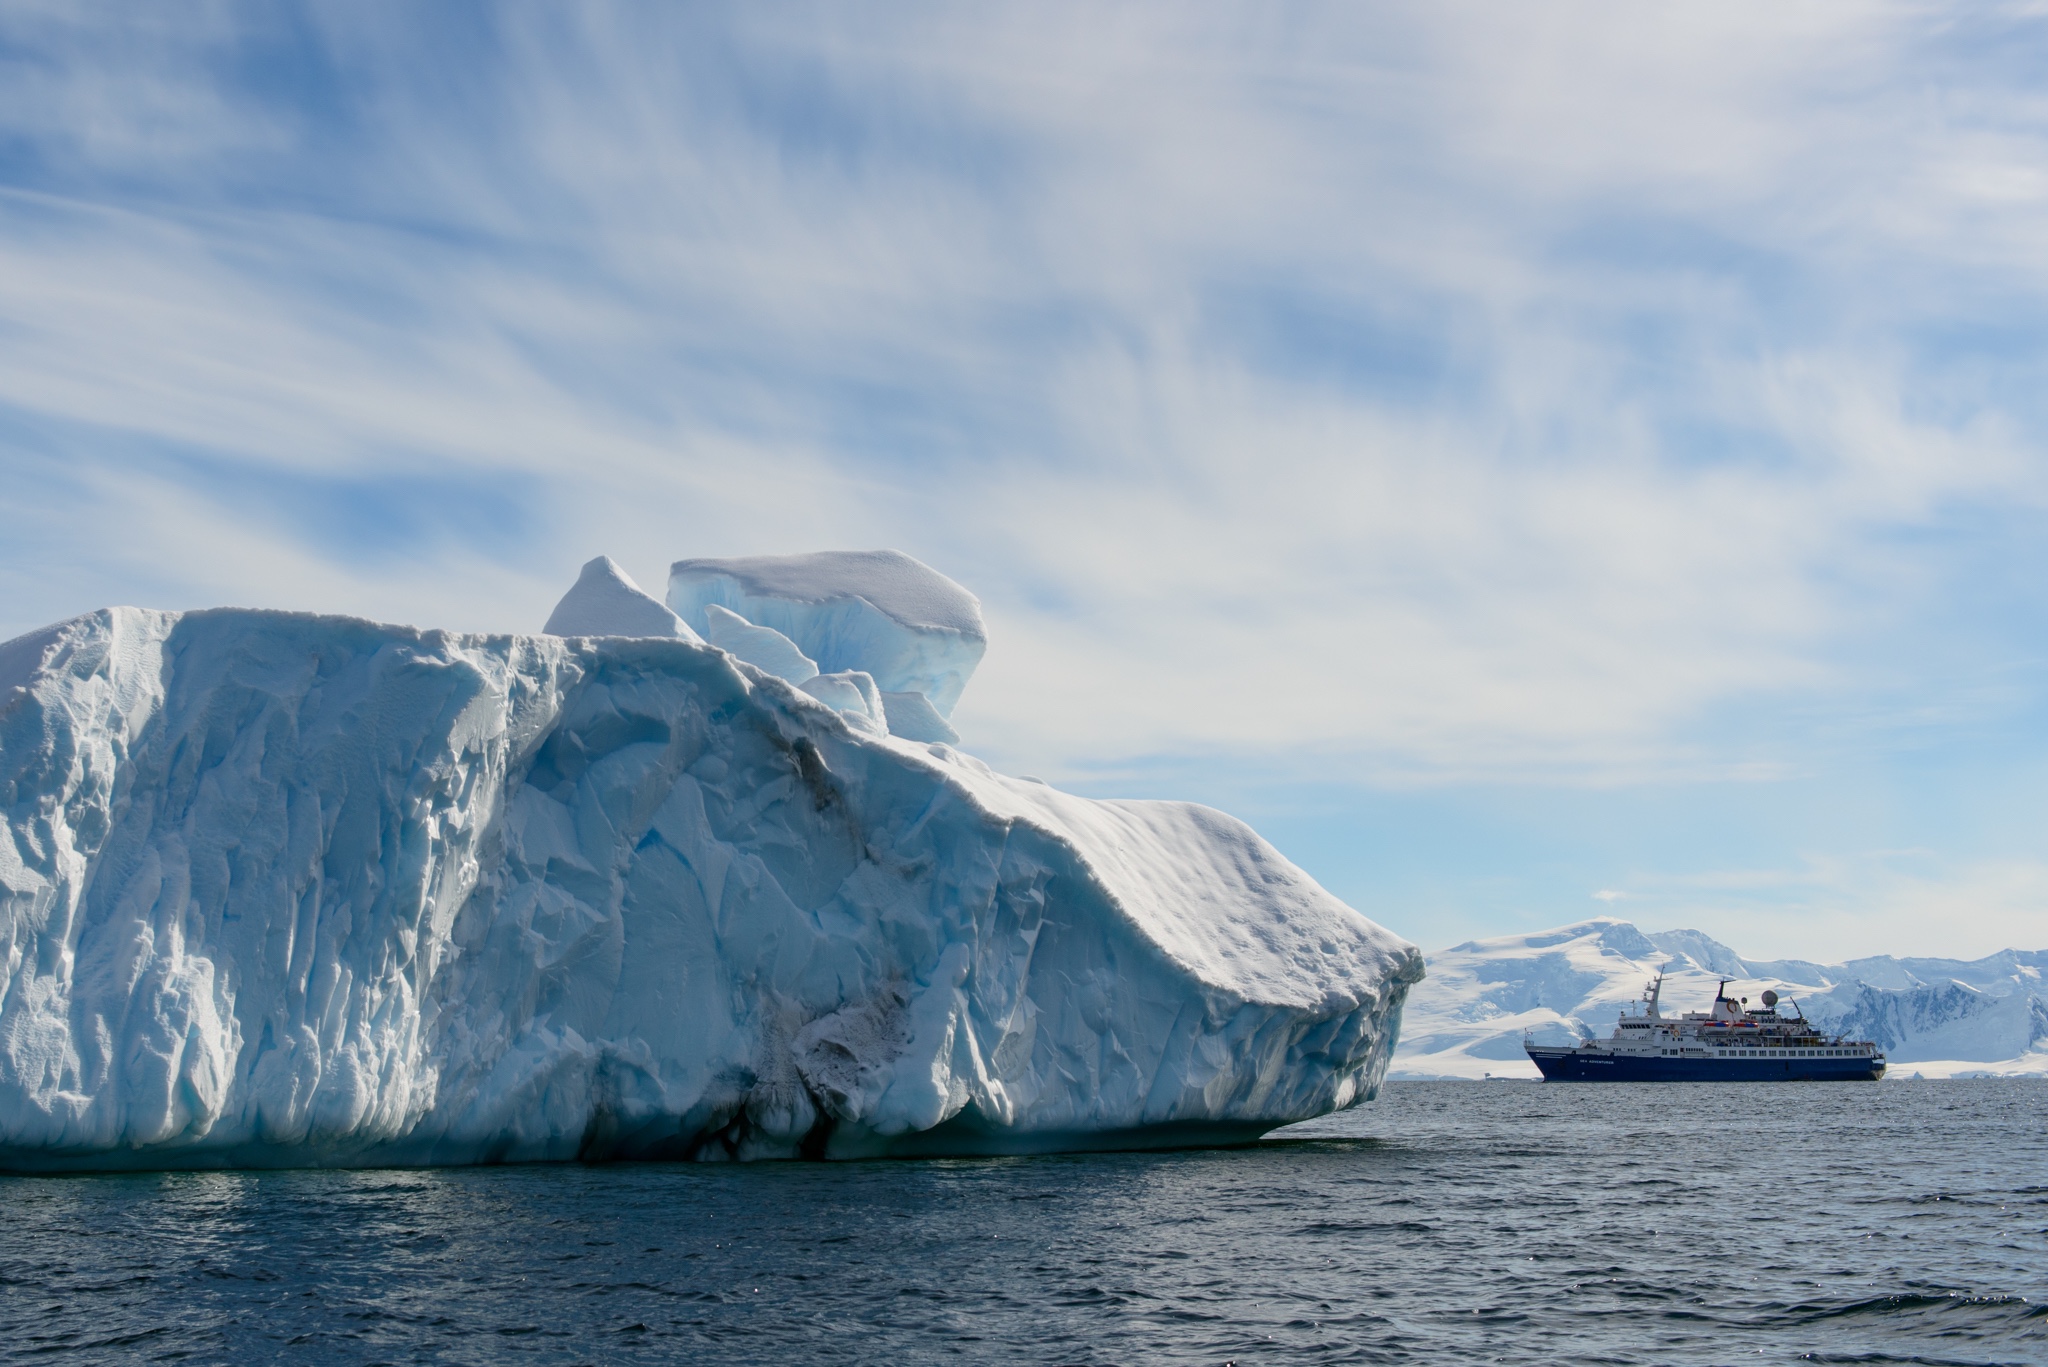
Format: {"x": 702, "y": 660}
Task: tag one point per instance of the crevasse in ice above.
{"x": 282, "y": 888}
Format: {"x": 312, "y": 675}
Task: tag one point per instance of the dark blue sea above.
{"x": 1897, "y": 1222}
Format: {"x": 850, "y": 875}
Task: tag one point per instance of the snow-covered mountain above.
{"x": 1933, "y": 1017}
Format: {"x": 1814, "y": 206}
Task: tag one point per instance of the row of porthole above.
{"x": 1772, "y": 1054}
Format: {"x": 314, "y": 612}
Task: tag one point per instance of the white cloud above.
{"x": 1906, "y": 902}
{"x": 1612, "y": 426}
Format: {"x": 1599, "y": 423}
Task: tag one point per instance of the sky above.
{"x": 1531, "y": 462}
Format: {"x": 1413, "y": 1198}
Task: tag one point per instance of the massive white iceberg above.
{"x": 280, "y": 888}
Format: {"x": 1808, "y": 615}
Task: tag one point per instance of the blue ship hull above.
{"x": 1574, "y": 1066}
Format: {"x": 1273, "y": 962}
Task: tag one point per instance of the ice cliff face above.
{"x": 278, "y": 888}
{"x": 1933, "y": 1017}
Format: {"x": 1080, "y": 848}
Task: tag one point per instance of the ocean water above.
{"x": 1901, "y": 1222}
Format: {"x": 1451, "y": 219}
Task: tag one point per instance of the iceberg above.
{"x": 287, "y": 889}
{"x": 897, "y": 620}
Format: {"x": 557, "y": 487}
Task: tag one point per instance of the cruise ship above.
{"x": 1730, "y": 1043}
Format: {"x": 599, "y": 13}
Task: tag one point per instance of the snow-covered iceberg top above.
{"x": 281, "y": 888}
{"x": 605, "y": 601}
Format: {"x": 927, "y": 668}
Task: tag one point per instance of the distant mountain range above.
{"x": 1933, "y": 1017}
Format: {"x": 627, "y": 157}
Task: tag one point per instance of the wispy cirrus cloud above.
{"x": 1425, "y": 395}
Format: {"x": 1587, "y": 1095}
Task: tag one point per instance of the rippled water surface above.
{"x": 1453, "y": 1222}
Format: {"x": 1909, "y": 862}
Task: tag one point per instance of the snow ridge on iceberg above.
{"x": 281, "y": 888}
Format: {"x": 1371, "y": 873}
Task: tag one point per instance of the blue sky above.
{"x": 1531, "y": 462}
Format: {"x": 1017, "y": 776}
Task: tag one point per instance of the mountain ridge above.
{"x": 1933, "y": 1017}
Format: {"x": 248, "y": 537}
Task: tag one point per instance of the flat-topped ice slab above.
{"x": 898, "y": 620}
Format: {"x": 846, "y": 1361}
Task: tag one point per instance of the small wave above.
{"x": 1983, "y": 1315}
